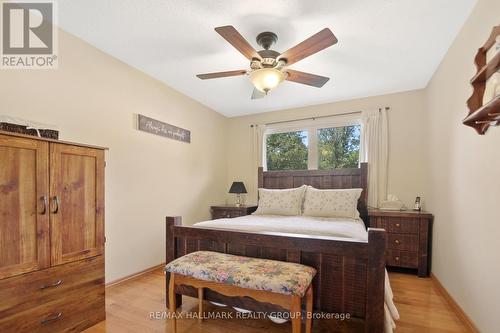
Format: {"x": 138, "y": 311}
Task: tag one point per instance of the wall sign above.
{"x": 160, "y": 128}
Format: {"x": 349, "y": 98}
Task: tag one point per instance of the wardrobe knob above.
{"x": 45, "y": 203}
{"x": 47, "y": 320}
{"x": 55, "y": 284}
{"x": 56, "y": 202}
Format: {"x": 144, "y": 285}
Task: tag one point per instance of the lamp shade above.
{"x": 266, "y": 79}
{"x": 238, "y": 187}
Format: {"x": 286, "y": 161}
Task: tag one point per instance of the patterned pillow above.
{"x": 280, "y": 202}
{"x": 332, "y": 203}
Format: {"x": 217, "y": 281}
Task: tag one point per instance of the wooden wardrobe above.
{"x": 51, "y": 235}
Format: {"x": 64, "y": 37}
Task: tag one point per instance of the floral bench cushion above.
{"x": 251, "y": 273}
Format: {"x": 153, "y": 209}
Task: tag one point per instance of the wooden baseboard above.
{"x": 134, "y": 275}
{"x": 454, "y": 305}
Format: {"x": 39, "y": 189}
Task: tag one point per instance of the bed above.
{"x": 350, "y": 261}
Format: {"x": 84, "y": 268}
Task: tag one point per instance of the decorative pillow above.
{"x": 280, "y": 202}
{"x": 332, "y": 203}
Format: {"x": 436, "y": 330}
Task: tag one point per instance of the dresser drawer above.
{"x": 221, "y": 214}
{"x": 404, "y": 242}
{"x": 228, "y": 211}
{"x": 30, "y": 290}
{"x": 236, "y": 213}
{"x": 407, "y": 259}
{"x": 77, "y": 310}
{"x": 399, "y": 225}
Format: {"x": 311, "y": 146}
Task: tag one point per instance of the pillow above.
{"x": 280, "y": 202}
{"x": 332, "y": 203}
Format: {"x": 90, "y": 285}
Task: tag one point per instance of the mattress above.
{"x": 352, "y": 229}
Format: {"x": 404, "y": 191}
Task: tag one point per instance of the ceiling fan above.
{"x": 268, "y": 68}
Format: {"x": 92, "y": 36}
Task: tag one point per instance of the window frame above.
{"x": 311, "y": 126}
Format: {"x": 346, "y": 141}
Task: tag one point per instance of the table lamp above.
{"x": 238, "y": 188}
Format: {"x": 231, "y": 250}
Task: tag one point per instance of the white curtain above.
{"x": 258, "y": 158}
{"x": 374, "y": 150}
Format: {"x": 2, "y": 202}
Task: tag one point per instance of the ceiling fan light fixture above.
{"x": 268, "y": 68}
{"x": 266, "y": 79}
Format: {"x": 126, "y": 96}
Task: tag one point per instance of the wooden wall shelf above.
{"x": 480, "y": 116}
{"x": 487, "y": 70}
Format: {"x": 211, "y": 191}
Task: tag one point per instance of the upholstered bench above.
{"x": 270, "y": 281}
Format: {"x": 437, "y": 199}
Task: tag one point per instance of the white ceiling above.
{"x": 384, "y": 45}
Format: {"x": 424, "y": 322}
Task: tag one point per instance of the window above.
{"x": 324, "y": 146}
{"x": 287, "y": 151}
{"x": 338, "y": 147}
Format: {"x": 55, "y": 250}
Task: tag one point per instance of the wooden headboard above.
{"x": 322, "y": 179}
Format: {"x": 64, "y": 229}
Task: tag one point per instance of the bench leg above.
{"x": 171, "y": 302}
{"x": 309, "y": 309}
{"x": 178, "y": 298}
{"x": 200, "y": 304}
{"x": 296, "y": 313}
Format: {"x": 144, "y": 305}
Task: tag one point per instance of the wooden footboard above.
{"x": 350, "y": 277}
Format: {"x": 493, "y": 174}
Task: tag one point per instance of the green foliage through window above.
{"x": 338, "y": 147}
{"x": 287, "y": 151}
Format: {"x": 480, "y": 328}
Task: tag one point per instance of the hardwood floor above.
{"x": 129, "y": 306}
{"x": 421, "y": 307}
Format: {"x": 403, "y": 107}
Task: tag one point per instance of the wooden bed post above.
{"x": 377, "y": 243}
{"x": 363, "y": 200}
{"x": 260, "y": 177}
{"x": 171, "y": 253}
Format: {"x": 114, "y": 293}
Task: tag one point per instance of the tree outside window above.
{"x": 287, "y": 151}
{"x": 338, "y": 147}
{"x": 328, "y": 148}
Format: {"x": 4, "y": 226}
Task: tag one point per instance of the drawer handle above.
{"x": 397, "y": 258}
{"x": 51, "y": 318}
{"x": 44, "y": 201}
{"x": 56, "y": 201}
{"x": 397, "y": 241}
{"x": 398, "y": 225}
{"x": 55, "y": 284}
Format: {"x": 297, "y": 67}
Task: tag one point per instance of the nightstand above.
{"x": 230, "y": 211}
{"x": 408, "y": 237}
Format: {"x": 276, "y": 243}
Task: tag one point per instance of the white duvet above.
{"x": 352, "y": 229}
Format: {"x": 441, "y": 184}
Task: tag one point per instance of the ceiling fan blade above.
{"x": 221, "y": 74}
{"x": 306, "y": 78}
{"x": 313, "y": 44}
{"x": 236, "y": 39}
{"x": 257, "y": 94}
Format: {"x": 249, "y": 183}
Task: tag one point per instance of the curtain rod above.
{"x": 314, "y": 118}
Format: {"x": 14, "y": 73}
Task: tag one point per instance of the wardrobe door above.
{"x": 24, "y": 216}
{"x": 76, "y": 203}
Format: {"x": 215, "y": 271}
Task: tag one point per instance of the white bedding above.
{"x": 307, "y": 225}
{"x": 352, "y": 229}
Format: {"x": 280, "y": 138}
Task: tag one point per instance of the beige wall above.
{"x": 407, "y": 132}
{"x": 464, "y": 186}
{"x": 93, "y": 97}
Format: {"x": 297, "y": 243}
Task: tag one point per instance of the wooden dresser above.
{"x": 51, "y": 235}
{"x": 408, "y": 236}
{"x": 230, "y": 211}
